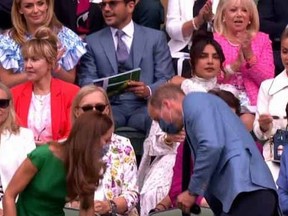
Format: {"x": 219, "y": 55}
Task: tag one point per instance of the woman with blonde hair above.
{"x": 43, "y": 103}
{"x": 27, "y": 16}
{"x": 248, "y": 52}
{"x": 15, "y": 142}
{"x": 118, "y": 190}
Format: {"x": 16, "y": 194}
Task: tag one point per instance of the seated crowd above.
{"x": 59, "y": 145}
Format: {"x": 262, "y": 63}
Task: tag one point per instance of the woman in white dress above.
{"x": 15, "y": 142}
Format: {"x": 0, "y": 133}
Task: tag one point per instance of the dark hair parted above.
{"x": 200, "y": 40}
{"x": 229, "y": 98}
{"x": 165, "y": 91}
{"x": 42, "y": 45}
{"x": 83, "y": 154}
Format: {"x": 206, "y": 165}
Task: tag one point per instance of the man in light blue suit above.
{"x": 147, "y": 48}
{"x": 229, "y": 170}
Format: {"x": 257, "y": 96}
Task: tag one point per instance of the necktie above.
{"x": 121, "y": 52}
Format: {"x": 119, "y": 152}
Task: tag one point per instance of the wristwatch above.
{"x": 113, "y": 208}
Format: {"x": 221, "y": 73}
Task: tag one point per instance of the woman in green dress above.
{"x": 56, "y": 173}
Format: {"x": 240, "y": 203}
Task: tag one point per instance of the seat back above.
{"x": 71, "y": 211}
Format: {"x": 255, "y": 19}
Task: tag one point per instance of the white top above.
{"x": 272, "y": 99}
{"x": 13, "y": 150}
{"x": 179, "y": 12}
{"x": 39, "y": 117}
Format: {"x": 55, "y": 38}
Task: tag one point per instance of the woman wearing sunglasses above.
{"x": 43, "y": 103}
{"x": 55, "y": 173}
{"x": 118, "y": 191}
{"x": 15, "y": 142}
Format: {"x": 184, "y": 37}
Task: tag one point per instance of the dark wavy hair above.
{"x": 200, "y": 39}
{"x": 83, "y": 155}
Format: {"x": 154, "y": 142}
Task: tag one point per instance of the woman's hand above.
{"x": 102, "y": 207}
{"x": 177, "y": 80}
{"x": 171, "y": 138}
{"x": 245, "y": 39}
{"x": 206, "y": 11}
{"x": 265, "y": 122}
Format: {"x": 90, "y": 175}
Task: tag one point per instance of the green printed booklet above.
{"x": 116, "y": 84}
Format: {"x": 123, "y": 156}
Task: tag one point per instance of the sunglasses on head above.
{"x": 4, "y": 103}
{"x": 112, "y": 4}
{"x": 97, "y": 107}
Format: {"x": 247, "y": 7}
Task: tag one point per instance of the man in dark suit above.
{"x": 149, "y": 13}
{"x": 229, "y": 170}
{"x": 273, "y": 20}
{"x": 143, "y": 47}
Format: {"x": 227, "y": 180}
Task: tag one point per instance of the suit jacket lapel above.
{"x": 109, "y": 48}
{"x": 138, "y": 45}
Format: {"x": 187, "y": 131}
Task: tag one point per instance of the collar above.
{"x": 278, "y": 83}
{"x": 128, "y": 29}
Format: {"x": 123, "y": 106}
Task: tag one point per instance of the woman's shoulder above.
{"x": 261, "y": 37}
{"x": 121, "y": 144}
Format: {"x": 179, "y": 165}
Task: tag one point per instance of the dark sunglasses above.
{"x": 98, "y": 107}
{"x": 112, "y": 4}
{"x": 4, "y": 103}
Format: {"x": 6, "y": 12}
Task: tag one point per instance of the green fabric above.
{"x": 45, "y": 194}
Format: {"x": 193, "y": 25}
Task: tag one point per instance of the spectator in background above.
{"x": 27, "y": 17}
{"x": 5, "y": 14}
{"x": 271, "y": 107}
{"x": 56, "y": 173}
{"x": 273, "y": 20}
{"x": 138, "y": 47}
{"x": 184, "y": 17}
{"x": 119, "y": 183}
{"x": 43, "y": 104}
{"x": 248, "y": 52}
{"x": 83, "y": 17}
{"x": 15, "y": 142}
{"x": 149, "y": 13}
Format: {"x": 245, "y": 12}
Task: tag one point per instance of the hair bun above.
{"x": 45, "y": 33}
{"x": 202, "y": 35}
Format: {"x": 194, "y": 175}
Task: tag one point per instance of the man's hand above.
{"x": 185, "y": 201}
{"x": 139, "y": 89}
{"x": 265, "y": 122}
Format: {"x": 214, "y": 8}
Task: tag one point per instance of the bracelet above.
{"x": 194, "y": 25}
{"x": 166, "y": 141}
{"x": 161, "y": 204}
{"x": 229, "y": 70}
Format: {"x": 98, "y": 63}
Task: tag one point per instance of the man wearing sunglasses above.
{"x": 122, "y": 46}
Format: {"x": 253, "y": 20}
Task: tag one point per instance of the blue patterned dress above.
{"x": 11, "y": 57}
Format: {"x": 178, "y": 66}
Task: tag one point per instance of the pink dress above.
{"x": 254, "y": 75}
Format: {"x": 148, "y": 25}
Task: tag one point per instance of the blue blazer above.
{"x": 226, "y": 159}
{"x": 150, "y": 53}
{"x": 282, "y": 182}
